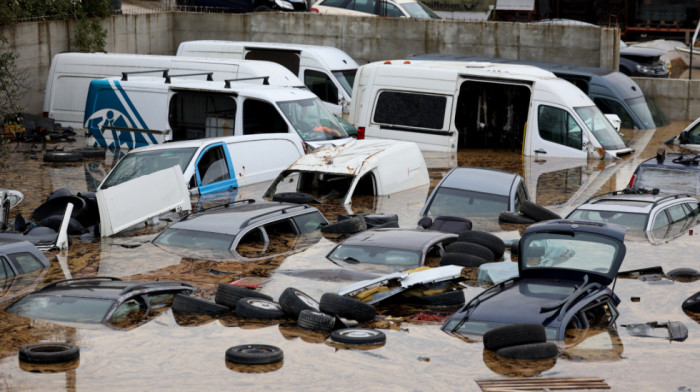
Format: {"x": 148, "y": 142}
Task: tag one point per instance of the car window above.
{"x": 346, "y": 78}
{"x": 308, "y": 223}
{"x": 26, "y": 261}
{"x": 375, "y": 255}
{"x": 212, "y": 166}
{"x": 581, "y": 251}
{"x": 668, "y": 179}
{"x": 126, "y": 310}
{"x": 287, "y": 59}
{"x": 419, "y": 10}
{"x": 333, "y": 3}
{"x": 262, "y": 117}
{"x": 195, "y": 115}
{"x": 631, "y": 220}
{"x": 609, "y": 106}
{"x": 194, "y": 239}
{"x": 411, "y": 110}
{"x": 694, "y": 207}
{"x": 677, "y": 213}
{"x": 137, "y": 164}
{"x": 662, "y": 220}
{"x": 5, "y": 269}
{"x": 321, "y": 84}
{"x": 62, "y": 308}
{"x": 390, "y": 10}
{"x": 556, "y": 125}
{"x": 458, "y": 202}
{"x": 312, "y": 120}
{"x": 252, "y": 243}
{"x": 694, "y": 134}
{"x": 360, "y": 6}
{"x": 601, "y": 127}
{"x": 648, "y": 112}
{"x": 520, "y": 196}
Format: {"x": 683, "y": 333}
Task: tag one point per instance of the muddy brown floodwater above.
{"x": 170, "y": 353}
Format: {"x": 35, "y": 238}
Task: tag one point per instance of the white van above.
{"x": 327, "y": 71}
{"x": 137, "y": 111}
{"x": 441, "y": 105}
{"x": 70, "y": 75}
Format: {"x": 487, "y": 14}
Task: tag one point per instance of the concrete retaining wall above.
{"x": 679, "y": 99}
{"x": 366, "y": 39}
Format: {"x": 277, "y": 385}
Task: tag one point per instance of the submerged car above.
{"x": 8, "y": 200}
{"x": 669, "y": 173}
{"x": 20, "y": 258}
{"x": 564, "y": 268}
{"x": 688, "y": 138}
{"x": 646, "y": 62}
{"x": 388, "y": 8}
{"x": 473, "y": 191}
{"x": 360, "y": 167}
{"x": 98, "y": 300}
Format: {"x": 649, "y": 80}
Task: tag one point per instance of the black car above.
{"x": 646, "y": 62}
{"x": 565, "y": 268}
{"x": 99, "y": 300}
{"x": 243, "y": 6}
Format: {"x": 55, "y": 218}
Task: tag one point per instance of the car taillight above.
{"x": 314, "y": 10}
{"x": 631, "y": 181}
{"x": 360, "y": 133}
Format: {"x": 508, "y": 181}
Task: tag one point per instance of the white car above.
{"x": 390, "y": 8}
{"x": 8, "y": 200}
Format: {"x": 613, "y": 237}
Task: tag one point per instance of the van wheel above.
{"x": 63, "y": 156}
{"x": 315, "y": 321}
{"x": 531, "y": 351}
{"x": 347, "y": 307}
{"x": 358, "y": 336}
{"x": 254, "y": 354}
{"x": 471, "y": 248}
{"x": 514, "y": 335}
{"x": 537, "y": 212}
{"x": 258, "y": 308}
{"x": 49, "y": 352}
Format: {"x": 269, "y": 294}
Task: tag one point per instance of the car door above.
{"x": 214, "y": 170}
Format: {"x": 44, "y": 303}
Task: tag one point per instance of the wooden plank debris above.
{"x": 542, "y": 384}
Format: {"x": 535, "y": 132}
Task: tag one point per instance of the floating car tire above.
{"x": 531, "y": 351}
{"x": 259, "y": 309}
{"x": 293, "y": 301}
{"x": 347, "y": 307}
{"x": 254, "y": 354}
{"x": 447, "y": 298}
{"x": 91, "y": 152}
{"x": 514, "y": 335}
{"x": 683, "y": 273}
{"x": 293, "y": 197}
{"x": 229, "y": 295}
{"x": 358, "y": 336}
{"x": 352, "y": 225}
{"x": 493, "y": 242}
{"x": 187, "y": 304}
{"x": 471, "y": 248}
{"x": 49, "y": 352}
{"x": 461, "y": 259}
{"x": 537, "y": 212}
{"x": 515, "y": 218}
{"x": 55, "y": 221}
{"x": 315, "y": 321}
{"x": 63, "y": 156}
{"x": 692, "y": 304}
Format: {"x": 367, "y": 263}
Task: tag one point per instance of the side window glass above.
{"x": 212, "y": 166}
{"x": 321, "y": 84}
{"x": 677, "y": 213}
{"x": 557, "y": 126}
{"x": 391, "y": 10}
{"x": 194, "y": 115}
{"x": 694, "y": 207}
{"x": 410, "y": 109}
{"x": 262, "y": 117}
{"x": 309, "y": 222}
{"x": 5, "y": 269}
{"x": 694, "y": 135}
{"x": 608, "y": 106}
{"x": 26, "y": 261}
{"x": 661, "y": 220}
{"x": 362, "y": 6}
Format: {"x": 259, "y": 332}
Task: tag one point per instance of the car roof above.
{"x": 478, "y": 179}
{"x": 231, "y": 218}
{"x": 668, "y": 161}
{"x": 405, "y": 239}
{"x": 631, "y": 202}
{"x": 104, "y": 287}
{"x": 196, "y": 143}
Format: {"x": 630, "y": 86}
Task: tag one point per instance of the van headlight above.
{"x": 285, "y": 5}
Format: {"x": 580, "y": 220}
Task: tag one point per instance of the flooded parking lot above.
{"x": 170, "y": 352}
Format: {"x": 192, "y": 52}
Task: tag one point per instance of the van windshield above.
{"x": 601, "y": 128}
{"x": 346, "y": 78}
{"x": 312, "y": 120}
{"x": 649, "y": 114}
{"x": 137, "y": 164}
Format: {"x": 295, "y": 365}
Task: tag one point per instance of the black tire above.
{"x": 187, "y": 304}
{"x": 63, "y": 156}
{"x": 537, "y": 212}
{"x": 488, "y": 240}
{"x": 447, "y": 298}
{"x": 514, "y": 248}
{"x": 91, "y": 152}
{"x": 293, "y": 197}
{"x": 49, "y": 352}
{"x": 692, "y": 304}
{"x": 461, "y": 259}
{"x": 259, "y": 309}
{"x": 55, "y": 221}
{"x": 293, "y": 301}
{"x": 350, "y": 225}
{"x": 683, "y": 273}
{"x": 254, "y": 354}
{"x": 358, "y": 336}
{"x": 471, "y": 248}
{"x": 515, "y": 218}
{"x": 514, "y": 335}
{"x": 530, "y": 351}
{"x": 316, "y": 321}
{"x": 57, "y": 206}
{"x": 229, "y": 295}
{"x": 346, "y": 307}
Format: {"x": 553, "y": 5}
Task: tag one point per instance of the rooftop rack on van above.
{"x": 125, "y": 75}
{"x": 264, "y": 78}
{"x": 210, "y": 76}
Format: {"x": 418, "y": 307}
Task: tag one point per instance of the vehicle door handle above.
{"x": 540, "y": 151}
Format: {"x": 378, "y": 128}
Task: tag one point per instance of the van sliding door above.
{"x": 289, "y": 59}
{"x": 196, "y": 115}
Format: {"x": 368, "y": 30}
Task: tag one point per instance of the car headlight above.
{"x": 285, "y": 5}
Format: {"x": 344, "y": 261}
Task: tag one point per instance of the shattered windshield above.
{"x": 601, "y": 128}
{"x": 346, "y": 78}
{"x": 312, "y": 120}
{"x": 137, "y": 164}
{"x": 647, "y": 111}
{"x": 375, "y": 255}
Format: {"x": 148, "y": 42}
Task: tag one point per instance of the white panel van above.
{"x": 131, "y": 112}
{"x": 441, "y": 105}
{"x": 327, "y": 71}
{"x": 70, "y": 75}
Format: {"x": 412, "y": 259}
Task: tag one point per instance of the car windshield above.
{"x": 603, "y": 131}
{"x": 137, "y": 164}
{"x": 312, "y": 120}
{"x": 346, "y": 78}
{"x": 375, "y": 255}
{"x": 194, "y": 239}
{"x": 458, "y": 202}
{"x": 419, "y": 10}
{"x": 471, "y": 327}
{"x": 647, "y": 111}
{"x": 576, "y": 251}
{"x": 634, "y": 221}
{"x": 668, "y": 179}
{"x": 62, "y": 308}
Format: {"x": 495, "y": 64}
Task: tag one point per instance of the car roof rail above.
{"x": 83, "y": 278}
{"x": 125, "y": 75}
{"x": 139, "y": 285}
{"x": 210, "y": 76}
{"x": 266, "y": 80}
{"x": 625, "y": 191}
{"x": 275, "y": 212}
{"x": 675, "y": 196}
{"x": 216, "y": 207}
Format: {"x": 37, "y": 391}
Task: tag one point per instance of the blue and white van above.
{"x": 143, "y": 111}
